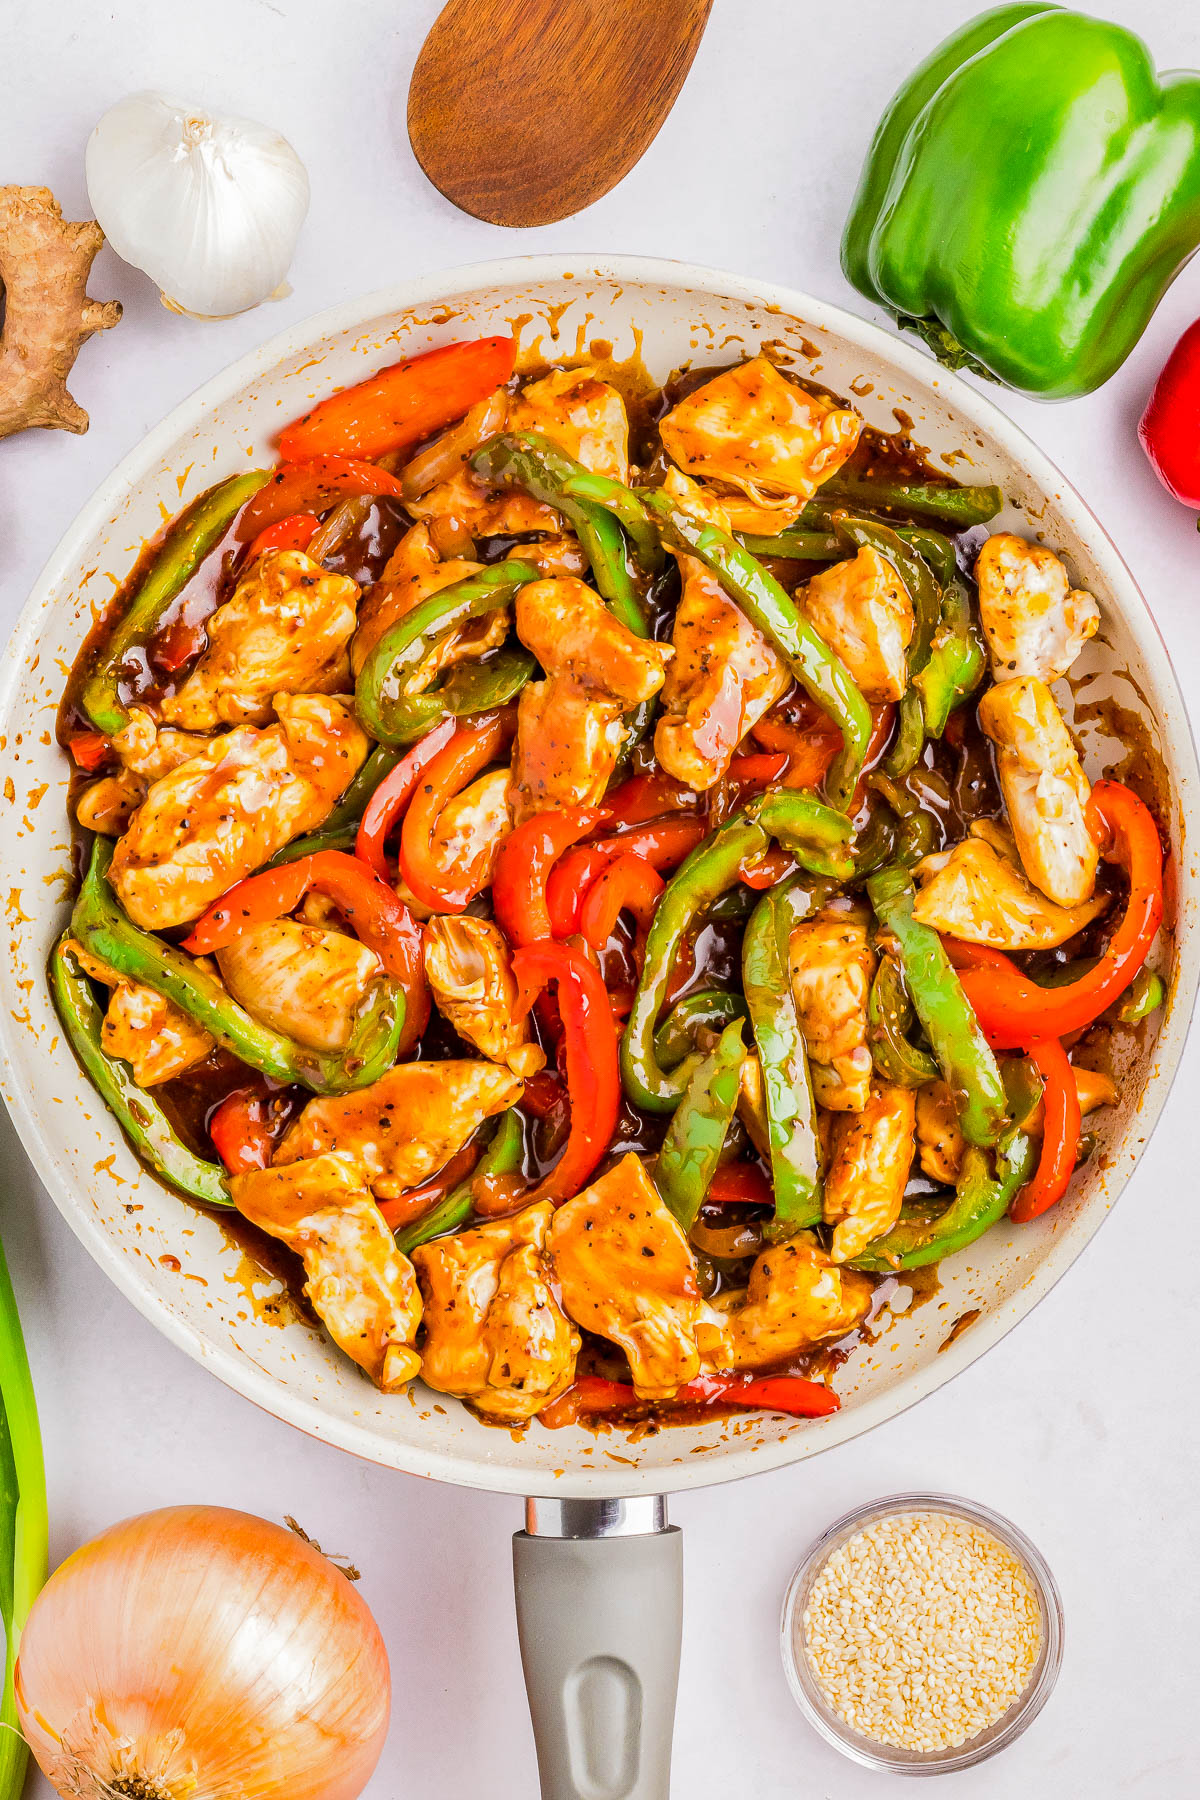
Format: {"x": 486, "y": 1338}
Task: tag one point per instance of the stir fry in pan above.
{"x": 605, "y": 879}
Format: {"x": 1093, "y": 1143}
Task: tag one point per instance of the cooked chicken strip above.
{"x": 225, "y": 812}
{"x": 494, "y": 1332}
{"x": 760, "y": 433}
{"x": 308, "y": 983}
{"x": 406, "y": 1125}
{"x": 152, "y": 750}
{"x": 284, "y": 630}
{"x": 472, "y": 826}
{"x": 1035, "y": 622}
{"x": 626, "y": 1271}
{"x": 941, "y": 1143}
{"x": 864, "y": 612}
{"x": 569, "y": 731}
{"x": 1044, "y": 788}
{"x": 581, "y": 414}
{"x": 871, "y": 1153}
{"x": 154, "y": 1036}
{"x": 832, "y": 966}
{"x": 107, "y": 805}
{"x": 467, "y": 507}
{"x": 359, "y": 1284}
{"x": 795, "y": 1298}
{"x": 469, "y": 968}
{"x": 977, "y": 892}
{"x": 723, "y": 678}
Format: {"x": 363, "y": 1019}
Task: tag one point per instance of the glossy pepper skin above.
{"x": 986, "y": 1187}
{"x": 1030, "y": 194}
{"x": 699, "y": 1126}
{"x": 1170, "y": 426}
{"x": 454, "y": 1213}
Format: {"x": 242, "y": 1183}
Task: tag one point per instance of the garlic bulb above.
{"x": 209, "y": 206}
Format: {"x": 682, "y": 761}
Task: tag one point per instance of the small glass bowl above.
{"x": 869, "y": 1751}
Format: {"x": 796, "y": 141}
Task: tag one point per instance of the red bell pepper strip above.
{"x": 393, "y": 794}
{"x": 811, "y": 748}
{"x": 590, "y": 1054}
{"x": 761, "y": 770}
{"x": 241, "y": 1131}
{"x": 648, "y": 797}
{"x": 1060, "y": 1134}
{"x": 311, "y": 487}
{"x": 296, "y": 532}
{"x": 463, "y": 757}
{"x": 523, "y": 864}
{"x": 740, "y": 1184}
{"x": 1013, "y": 1011}
{"x": 1170, "y": 426}
{"x": 627, "y": 883}
{"x": 663, "y": 843}
{"x": 777, "y": 1393}
{"x": 567, "y": 886}
{"x": 397, "y": 407}
{"x": 766, "y": 870}
{"x": 379, "y": 917}
{"x": 89, "y": 749}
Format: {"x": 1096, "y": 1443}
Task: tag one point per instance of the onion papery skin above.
{"x": 196, "y": 1653}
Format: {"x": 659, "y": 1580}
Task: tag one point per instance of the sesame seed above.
{"x": 922, "y": 1630}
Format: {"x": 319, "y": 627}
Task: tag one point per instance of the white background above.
{"x": 1080, "y": 1425}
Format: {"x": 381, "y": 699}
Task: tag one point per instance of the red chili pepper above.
{"x": 296, "y": 532}
{"x": 393, "y": 794}
{"x": 379, "y": 917}
{"x": 397, "y": 407}
{"x": 418, "y": 1200}
{"x": 567, "y": 885}
{"x": 1060, "y": 1134}
{"x": 778, "y": 1393}
{"x": 648, "y": 797}
{"x": 589, "y": 1052}
{"x": 466, "y": 755}
{"x": 627, "y": 884}
{"x": 740, "y": 1184}
{"x": 240, "y": 1129}
{"x": 89, "y": 749}
{"x": 663, "y": 843}
{"x": 1170, "y": 426}
{"x": 1013, "y": 1011}
{"x": 522, "y": 869}
{"x": 311, "y": 487}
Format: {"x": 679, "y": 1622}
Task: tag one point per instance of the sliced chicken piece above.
{"x": 795, "y": 1298}
{"x": 413, "y": 573}
{"x": 832, "y": 966}
{"x": 941, "y": 1143}
{"x": 977, "y": 892}
{"x": 305, "y": 982}
{"x": 154, "y": 1036}
{"x": 107, "y": 805}
{"x": 723, "y": 678}
{"x": 756, "y": 431}
{"x": 284, "y": 630}
{"x": 472, "y": 826}
{"x": 581, "y": 414}
{"x": 467, "y": 507}
{"x": 406, "y": 1125}
{"x": 360, "y": 1285}
{"x": 554, "y": 556}
{"x": 569, "y": 731}
{"x": 152, "y": 750}
{"x": 626, "y": 1271}
{"x": 1035, "y": 622}
{"x": 225, "y": 812}
{"x": 863, "y": 611}
{"x": 871, "y": 1154}
{"x": 494, "y": 1332}
{"x": 1044, "y": 788}
{"x": 469, "y": 968}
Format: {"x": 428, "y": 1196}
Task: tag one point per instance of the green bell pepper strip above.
{"x": 783, "y": 1055}
{"x": 23, "y": 1523}
{"x": 621, "y": 501}
{"x": 710, "y": 1009}
{"x": 527, "y": 460}
{"x": 1143, "y": 998}
{"x": 987, "y": 1184}
{"x": 959, "y": 1047}
{"x": 194, "y": 533}
{"x": 915, "y": 828}
{"x": 889, "y": 1018}
{"x": 710, "y": 869}
{"x": 1042, "y": 266}
{"x": 469, "y": 688}
{"x": 822, "y": 675}
{"x": 875, "y": 844}
{"x": 101, "y": 927}
{"x": 956, "y": 661}
{"x": 696, "y": 1135}
{"x": 502, "y": 1157}
{"x": 139, "y": 1115}
{"x": 961, "y": 507}
{"x": 383, "y": 709}
{"x": 932, "y": 547}
{"x": 802, "y": 546}
{"x": 817, "y": 836}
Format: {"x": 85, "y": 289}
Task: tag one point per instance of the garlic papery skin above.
{"x": 208, "y": 205}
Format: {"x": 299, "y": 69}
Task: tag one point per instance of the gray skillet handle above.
{"x": 600, "y": 1616}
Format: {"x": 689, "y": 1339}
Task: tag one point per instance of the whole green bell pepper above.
{"x": 1030, "y": 194}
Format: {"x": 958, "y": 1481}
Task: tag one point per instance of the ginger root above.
{"x": 45, "y": 261}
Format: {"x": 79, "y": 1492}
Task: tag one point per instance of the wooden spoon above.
{"x": 523, "y": 111}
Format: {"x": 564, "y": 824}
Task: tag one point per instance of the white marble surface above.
{"x": 1080, "y": 1424}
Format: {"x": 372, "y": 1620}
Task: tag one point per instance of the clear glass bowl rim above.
{"x": 867, "y": 1751}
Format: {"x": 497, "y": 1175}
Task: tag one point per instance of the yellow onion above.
{"x": 202, "y": 1653}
